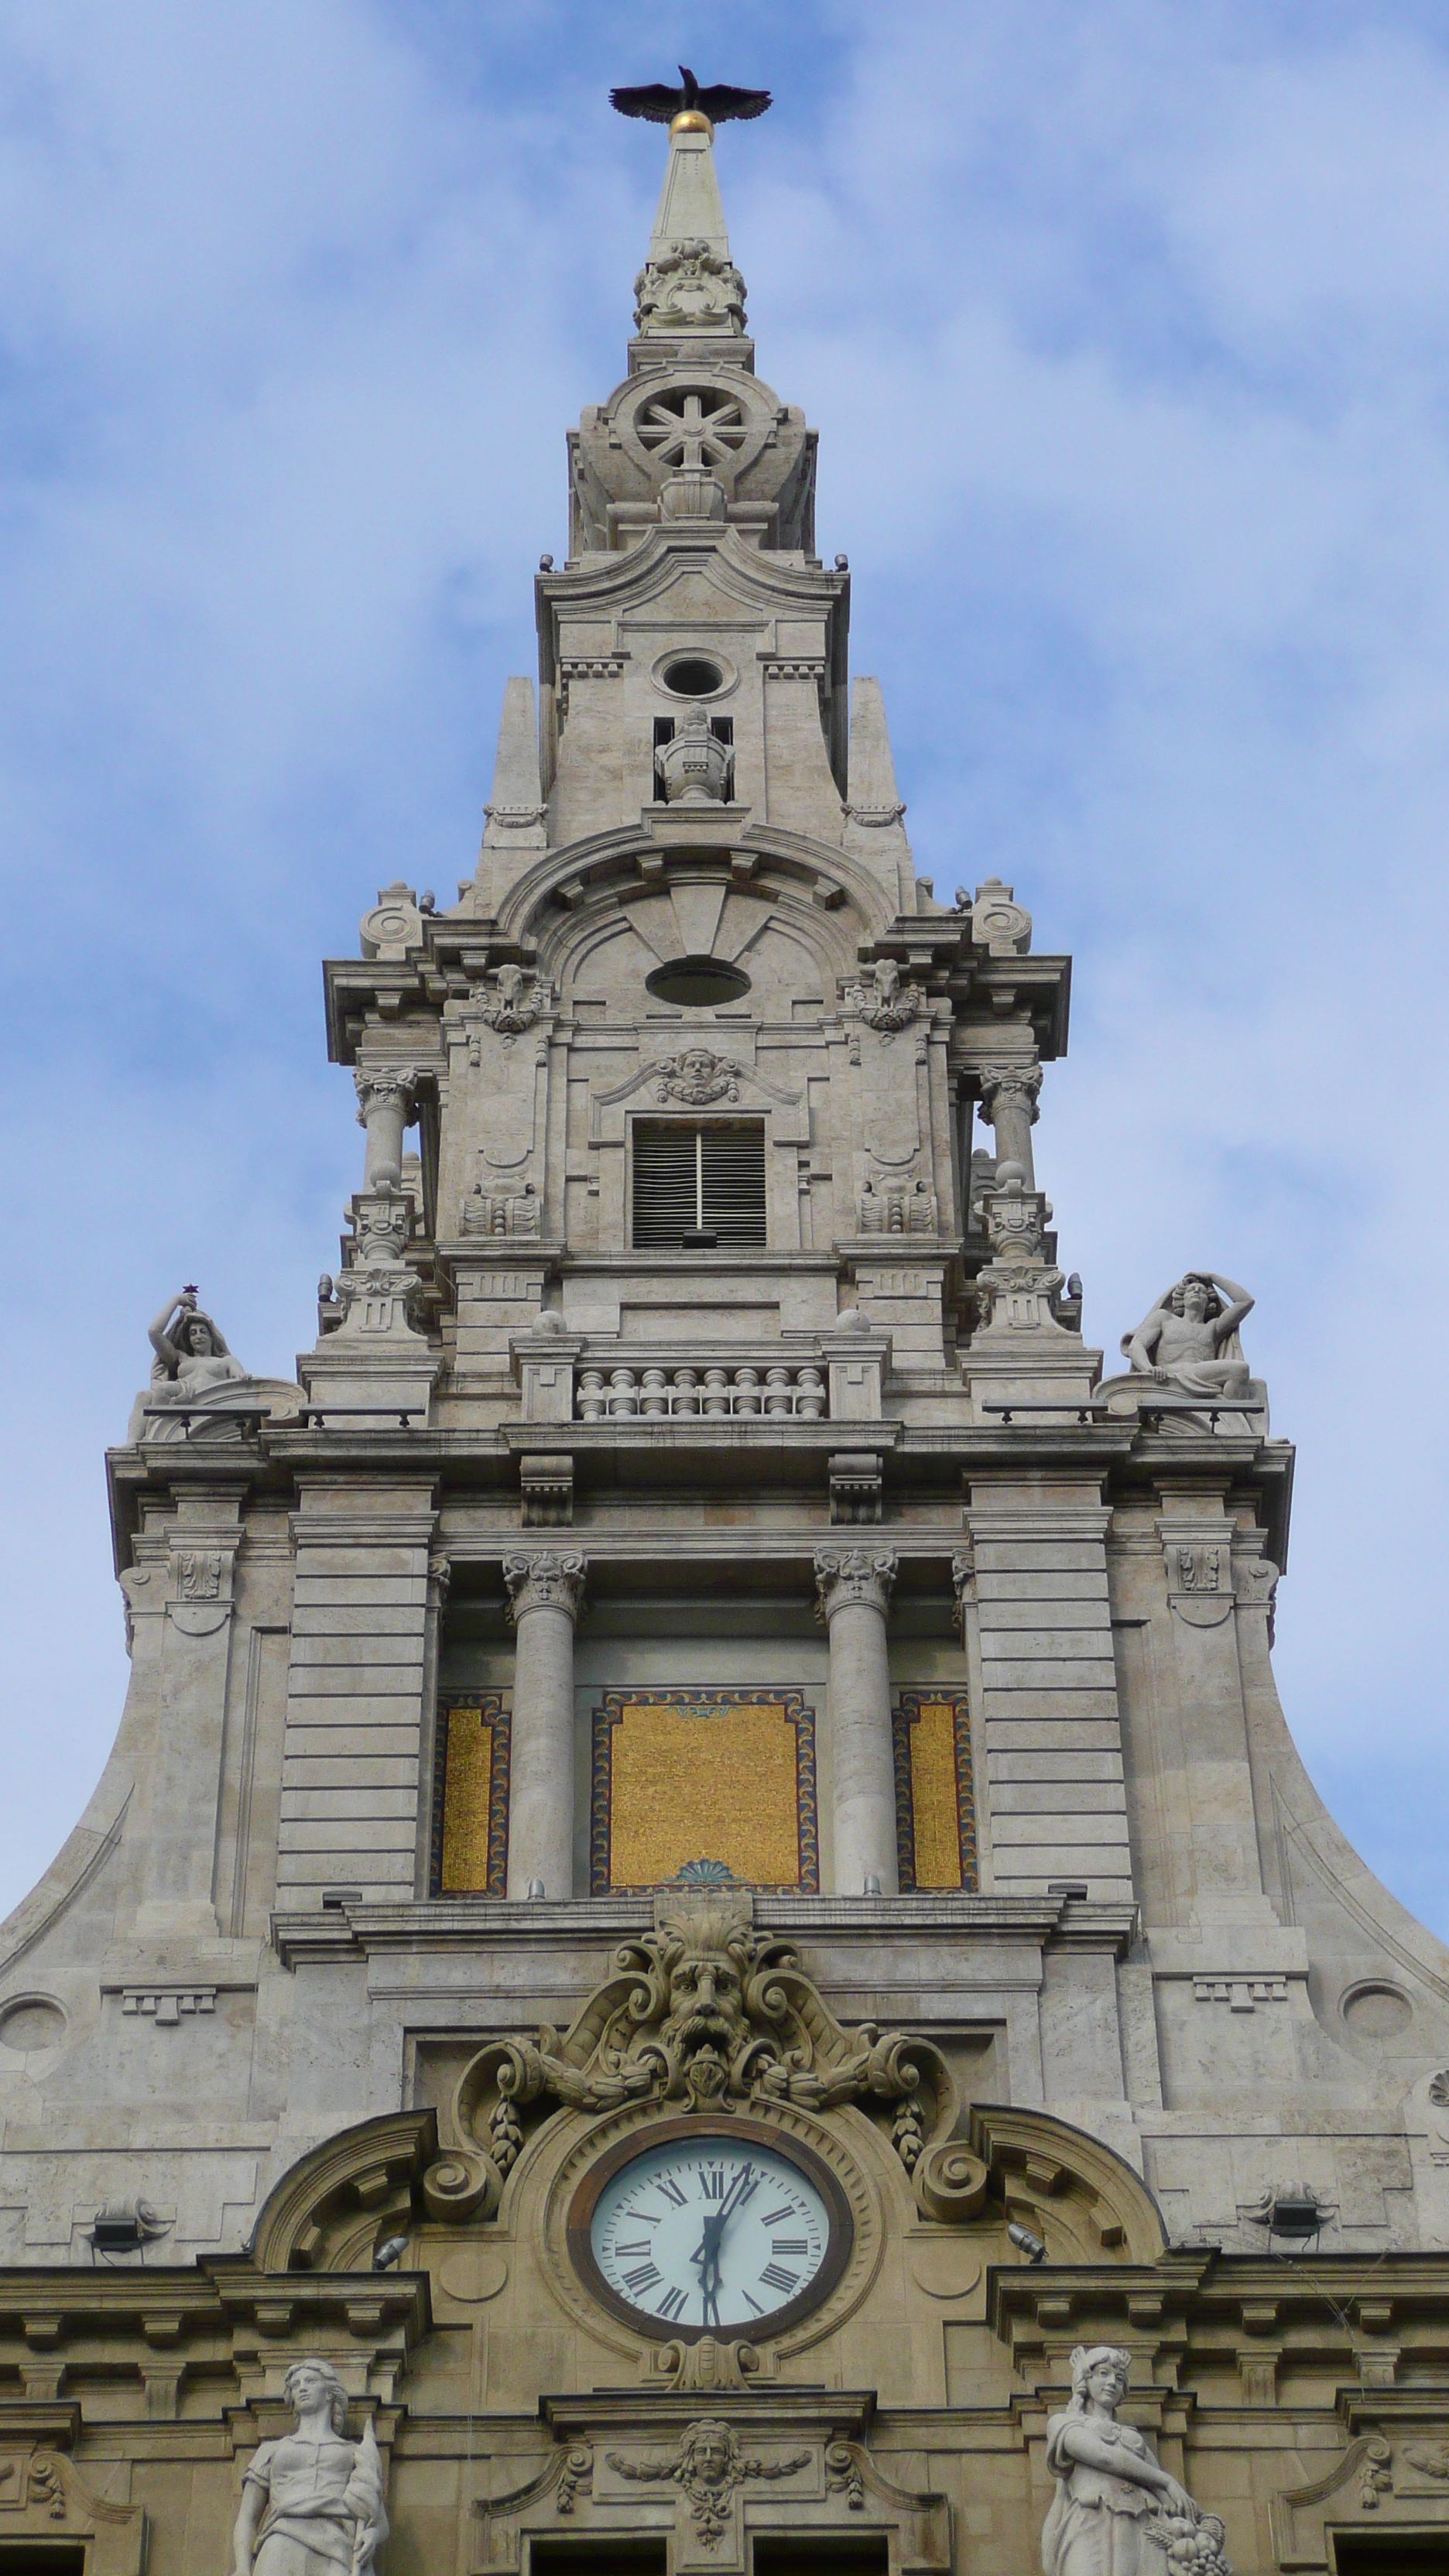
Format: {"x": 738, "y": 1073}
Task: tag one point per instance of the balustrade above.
{"x": 715, "y": 1393}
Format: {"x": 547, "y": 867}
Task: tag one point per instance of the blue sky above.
{"x": 1126, "y": 331}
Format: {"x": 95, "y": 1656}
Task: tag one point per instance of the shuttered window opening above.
{"x": 690, "y": 1180}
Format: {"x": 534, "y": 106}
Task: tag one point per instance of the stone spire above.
{"x": 691, "y": 433}
{"x": 513, "y": 818}
{"x": 874, "y": 825}
{"x": 689, "y": 283}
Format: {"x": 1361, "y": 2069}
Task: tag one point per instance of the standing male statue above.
{"x": 312, "y": 2503}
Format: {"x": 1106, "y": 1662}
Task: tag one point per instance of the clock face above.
{"x": 710, "y": 2229}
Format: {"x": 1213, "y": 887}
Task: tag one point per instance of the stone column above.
{"x": 546, "y": 1595}
{"x": 855, "y": 1590}
{"x": 1008, "y": 1104}
{"x": 385, "y": 1096}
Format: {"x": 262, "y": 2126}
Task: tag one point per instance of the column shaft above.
{"x": 855, "y": 1587}
{"x": 547, "y": 1592}
{"x": 1008, "y": 1103}
{"x": 385, "y": 1100}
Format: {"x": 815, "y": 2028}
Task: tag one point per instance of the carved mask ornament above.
{"x": 705, "y": 2012}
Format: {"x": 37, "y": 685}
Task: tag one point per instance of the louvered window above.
{"x": 708, "y": 1179}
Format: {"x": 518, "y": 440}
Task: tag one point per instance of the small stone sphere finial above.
{"x": 691, "y": 120}
{"x": 847, "y": 1321}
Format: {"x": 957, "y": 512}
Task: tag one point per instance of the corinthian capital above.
{"x": 1013, "y": 1086}
{"x": 553, "y": 1579}
{"x": 383, "y": 1086}
{"x": 851, "y": 1574}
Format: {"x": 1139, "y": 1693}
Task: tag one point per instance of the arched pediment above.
{"x": 1080, "y": 2197}
{"x": 836, "y": 904}
{"x": 333, "y": 2207}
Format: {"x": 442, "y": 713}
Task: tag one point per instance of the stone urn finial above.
{"x": 694, "y": 766}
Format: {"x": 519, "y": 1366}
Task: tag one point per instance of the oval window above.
{"x": 697, "y": 983}
{"x": 693, "y": 677}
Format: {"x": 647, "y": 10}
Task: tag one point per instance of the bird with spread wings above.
{"x": 661, "y": 104}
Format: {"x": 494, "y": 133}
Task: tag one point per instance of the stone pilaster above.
{"x": 180, "y": 1800}
{"x": 1052, "y": 1734}
{"x": 855, "y": 1585}
{"x": 359, "y": 1677}
{"x": 546, "y": 1593}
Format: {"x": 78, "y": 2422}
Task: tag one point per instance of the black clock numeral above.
{"x": 670, "y": 2190}
{"x": 772, "y": 2217}
{"x": 712, "y": 2182}
{"x": 643, "y": 2247}
{"x": 778, "y": 2245}
{"x": 642, "y": 2278}
{"x": 778, "y": 2278}
{"x": 673, "y": 2302}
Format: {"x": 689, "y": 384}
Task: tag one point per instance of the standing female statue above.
{"x": 1189, "y": 1339}
{"x": 312, "y": 2503}
{"x": 1116, "y": 2512}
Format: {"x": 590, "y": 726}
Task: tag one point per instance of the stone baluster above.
{"x": 716, "y": 1390}
{"x": 777, "y": 1391}
{"x": 385, "y": 1097}
{"x": 855, "y": 1589}
{"x": 747, "y": 1390}
{"x": 593, "y": 1405}
{"x": 810, "y": 1395}
{"x": 1009, "y": 1105}
{"x": 686, "y": 1398}
{"x": 623, "y": 1394}
{"x": 654, "y": 1392}
{"x": 546, "y": 1595}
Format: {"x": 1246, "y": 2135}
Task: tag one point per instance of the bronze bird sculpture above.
{"x": 661, "y": 104}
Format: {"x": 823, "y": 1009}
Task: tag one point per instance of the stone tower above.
{"x": 703, "y": 1678}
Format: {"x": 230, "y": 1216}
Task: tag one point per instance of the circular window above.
{"x": 692, "y": 676}
{"x": 697, "y": 983}
{"x": 1376, "y": 2012}
{"x": 32, "y": 2023}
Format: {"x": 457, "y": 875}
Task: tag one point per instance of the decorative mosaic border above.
{"x": 609, "y": 1714}
{"x": 904, "y": 1715}
{"x": 489, "y": 1706}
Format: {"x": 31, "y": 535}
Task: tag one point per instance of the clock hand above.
{"x": 707, "y": 2254}
{"x": 732, "y": 2201}
{"x": 708, "y": 2248}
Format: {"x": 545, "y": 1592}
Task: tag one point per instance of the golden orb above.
{"x": 691, "y": 120}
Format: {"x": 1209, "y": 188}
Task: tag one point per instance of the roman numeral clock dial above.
{"x": 710, "y": 2230}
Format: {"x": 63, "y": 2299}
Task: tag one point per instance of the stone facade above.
{"x": 700, "y": 1608}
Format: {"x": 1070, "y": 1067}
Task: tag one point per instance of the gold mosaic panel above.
{"x": 933, "y": 1794}
{"x": 703, "y": 1783}
{"x": 935, "y": 1807}
{"x": 471, "y": 1798}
